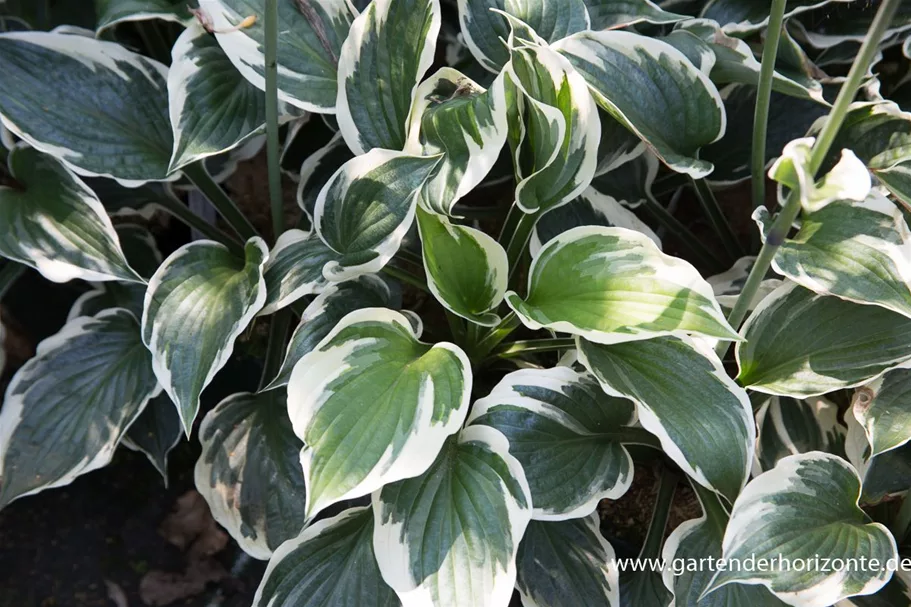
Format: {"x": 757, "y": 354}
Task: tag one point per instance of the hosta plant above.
{"x": 510, "y": 285}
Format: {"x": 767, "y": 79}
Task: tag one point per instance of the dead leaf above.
{"x": 163, "y": 588}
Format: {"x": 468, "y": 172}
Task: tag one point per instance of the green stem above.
{"x": 667, "y": 184}
{"x": 667, "y": 486}
{"x": 517, "y": 239}
{"x": 493, "y": 337}
{"x": 763, "y": 97}
{"x": 9, "y": 274}
{"x": 715, "y": 513}
{"x": 275, "y": 350}
{"x": 272, "y": 143}
{"x": 456, "y": 327}
{"x": 198, "y": 175}
{"x": 683, "y": 234}
{"x": 529, "y": 346}
{"x": 406, "y": 277}
{"x": 820, "y": 150}
{"x": 412, "y": 258}
{"x": 155, "y": 44}
{"x": 716, "y": 217}
{"x": 181, "y": 212}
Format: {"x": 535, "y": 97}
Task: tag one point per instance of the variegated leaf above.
{"x": 878, "y": 133}
{"x": 371, "y": 367}
{"x": 54, "y": 223}
{"x": 312, "y": 33}
{"x": 450, "y": 536}
{"x": 213, "y": 109}
{"x": 197, "y": 303}
{"x": 663, "y": 376}
{"x": 790, "y": 426}
{"x": 90, "y": 123}
{"x": 568, "y": 436}
{"x": 802, "y": 344}
{"x": 317, "y": 170}
{"x": 558, "y": 154}
{"x": 249, "y": 471}
{"x": 113, "y": 12}
{"x": 848, "y": 180}
{"x": 743, "y": 17}
{"x": 654, "y": 90}
{"x": 466, "y": 269}
{"x": 613, "y": 14}
{"x": 630, "y": 182}
{"x": 66, "y": 410}
{"x": 365, "y": 209}
{"x": 858, "y": 251}
{"x": 484, "y": 24}
{"x": 324, "y": 312}
{"x": 733, "y": 61}
{"x": 884, "y": 411}
{"x": 330, "y": 563}
{"x": 695, "y": 541}
{"x": 455, "y": 116}
{"x": 388, "y": 50}
{"x": 807, "y": 507}
{"x": 894, "y": 594}
{"x": 592, "y": 208}
{"x": 295, "y": 269}
{"x": 612, "y": 285}
{"x": 567, "y": 564}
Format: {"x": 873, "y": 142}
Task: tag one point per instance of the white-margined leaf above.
{"x": 450, "y": 536}
{"x": 113, "y": 12}
{"x": 743, "y": 17}
{"x": 65, "y": 411}
{"x": 885, "y": 413}
{"x": 807, "y": 507}
{"x": 558, "y": 153}
{"x": 663, "y": 376}
{"x": 653, "y": 89}
{"x": 790, "y": 426}
{"x": 484, "y": 26}
{"x": 324, "y": 312}
{"x": 388, "y": 50}
{"x": 611, "y": 285}
{"x": 197, "y": 303}
{"x": 295, "y": 269}
{"x": 213, "y": 108}
{"x": 567, "y": 434}
{"x": 845, "y": 29}
{"x": 802, "y": 344}
{"x": 896, "y": 593}
{"x": 365, "y": 210}
{"x": 455, "y": 116}
{"x": 155, "y": 433}
{"x": 567, "y": 564}
{"x": 54, "y": 223}
{"x": 613, "y": 14}
{"x": 898, "y": 181}
{"x": 249, "y": 471}
{"x": 309, "y": 45}
{"x": 318, "y": 169}
{"x": 878, "y": 133}
{"x": 858, "y": 251}
{"x": 592, "y": 208}
{"x": 467, "y": 270}
{"x": 733, "y": 61}
{"x": 699, "y": 539}
{"x": 85, "y": 103}
{"x": 141, "y": 252}
{"x": 371, "y": 367}
{"x": 618, "y": 146}
{"x": 848, "y": 180}
{"x": 330, "y": 563}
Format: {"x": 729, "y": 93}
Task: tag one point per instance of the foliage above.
{"x": 501, "y": 314}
